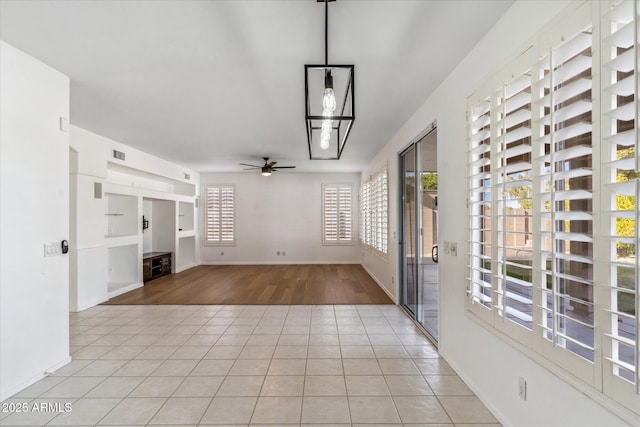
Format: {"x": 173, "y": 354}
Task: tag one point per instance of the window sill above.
{"x": 381, "y": 255}
{"x": 220, "y": 244}
{"x": 338, "y": 243}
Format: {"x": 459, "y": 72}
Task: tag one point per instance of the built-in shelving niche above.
{"x": 186, "y": 253}
{"x": 186, "y": 217}
{"x": 161, "y": 235}
{"x": 123, "y": 269}
{"x": 134, "y": 178}
{"x": 122, "y": 215}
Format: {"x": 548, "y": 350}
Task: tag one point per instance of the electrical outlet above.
{"x": 278, "y": 253}
{"x": 284, "y": 253}
{"x": 221, "y": 253}
{"x": 522, "y": 388}
{"x": 453, "y": 249}
{"x": 392, "y": 280}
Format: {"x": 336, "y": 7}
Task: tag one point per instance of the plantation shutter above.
{"x": 220, "y": 220}
{"x": 361, "y": 211}
{"x": 563, "y": 99}
{"x": 380, "y": 210}
{"x": 337, "y": 222}
{"x": 480, "y": 290}
{"x": 541, "y": 146}
{"x": 513, "y": 196}
{"x": 620, "y": 86}
{"x": 374, "y": 212}
{"x": 365, "y": 215}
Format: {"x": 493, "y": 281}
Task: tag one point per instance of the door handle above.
{"x": 434, "y": 253}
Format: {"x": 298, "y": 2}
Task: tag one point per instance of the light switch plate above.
{"x": 52, "y": 249}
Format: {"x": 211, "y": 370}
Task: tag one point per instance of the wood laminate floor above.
{"x": 261, "y": 284}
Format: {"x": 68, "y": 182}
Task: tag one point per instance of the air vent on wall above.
{"x": 187, "y": 176}
{"x": 97, "y": 190}
{"x": 118, "y": 155}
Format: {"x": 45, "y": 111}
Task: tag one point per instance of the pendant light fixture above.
{"x": 329, "y": 103}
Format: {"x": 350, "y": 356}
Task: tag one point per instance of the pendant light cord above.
{"x": 326, "y": 32}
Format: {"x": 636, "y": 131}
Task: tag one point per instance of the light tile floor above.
{"x": 343, "y": 365}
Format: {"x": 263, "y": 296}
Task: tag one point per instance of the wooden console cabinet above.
{"x": 155, "y": 264}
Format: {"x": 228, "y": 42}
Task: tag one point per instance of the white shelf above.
{"x": 184, "y": 234}
{"x": 116, "y": 241}
{"x": 132, "y": 177}
{"x": 122, "y": 215}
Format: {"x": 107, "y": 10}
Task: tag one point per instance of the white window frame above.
{"x": 208, "y": 208}
{"x": 340, "y": 210}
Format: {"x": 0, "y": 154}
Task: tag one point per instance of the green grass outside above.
{"x": 626, "y": 279}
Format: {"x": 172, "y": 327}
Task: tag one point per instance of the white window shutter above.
{"x": 513, "y": 196}
{"x": 563, "y": 99}
{"x": 220, "y": 215}
{"x": 337, "y": 216}
{"x": 374, "y": 212}
{"x": 481, "y": 240}
{"x": 620, "y": 36}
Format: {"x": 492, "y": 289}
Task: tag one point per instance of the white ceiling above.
{"x": 211, "y": 83}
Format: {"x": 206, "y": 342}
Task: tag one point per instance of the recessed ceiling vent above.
{"x": 118, "y": 155}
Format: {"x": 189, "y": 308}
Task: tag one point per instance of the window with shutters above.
{"x": 480, "y": 208}
{"x": 563, "y": 99}
{"x": 553, "y": 188}
{"x": 620, "y": 36}
{"x": 220, "y": 215}
{"x": 366, "y": 226}
{"x": 374, "y": 212}
{"x": 513, "y": 191}
{"x": 336, "y": 214}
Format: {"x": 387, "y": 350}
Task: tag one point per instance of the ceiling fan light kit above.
{"x": 329, "y": 103}
{"x": 267, "y": 168}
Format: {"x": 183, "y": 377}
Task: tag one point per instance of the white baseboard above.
{"x": 88, "y": 305}
{"x": 125, "y": 289}
{"x": 17, "y": 389}
{"x": 185, "y": 267}
{"x": 386, "y": 291}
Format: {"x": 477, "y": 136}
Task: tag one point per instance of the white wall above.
{"x": 147, "y": 235}
{"x": 282, "y": 212}
{"x": 164, "y": 219}
{"x": 488, "y": 364}
{"x": 34, "y": 209}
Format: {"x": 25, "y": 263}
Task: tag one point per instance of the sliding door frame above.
{"x": 417, "y": 235}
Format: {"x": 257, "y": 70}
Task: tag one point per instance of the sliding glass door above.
{"x": 419, "y": 232}
{"x": 409, "y": 231}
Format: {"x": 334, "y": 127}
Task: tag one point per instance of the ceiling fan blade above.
{"x": 253, "y": 166}
{"x": 251, "y": 169}
{"x": 284, "y": 167}
{"x": 270, "y": 165}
